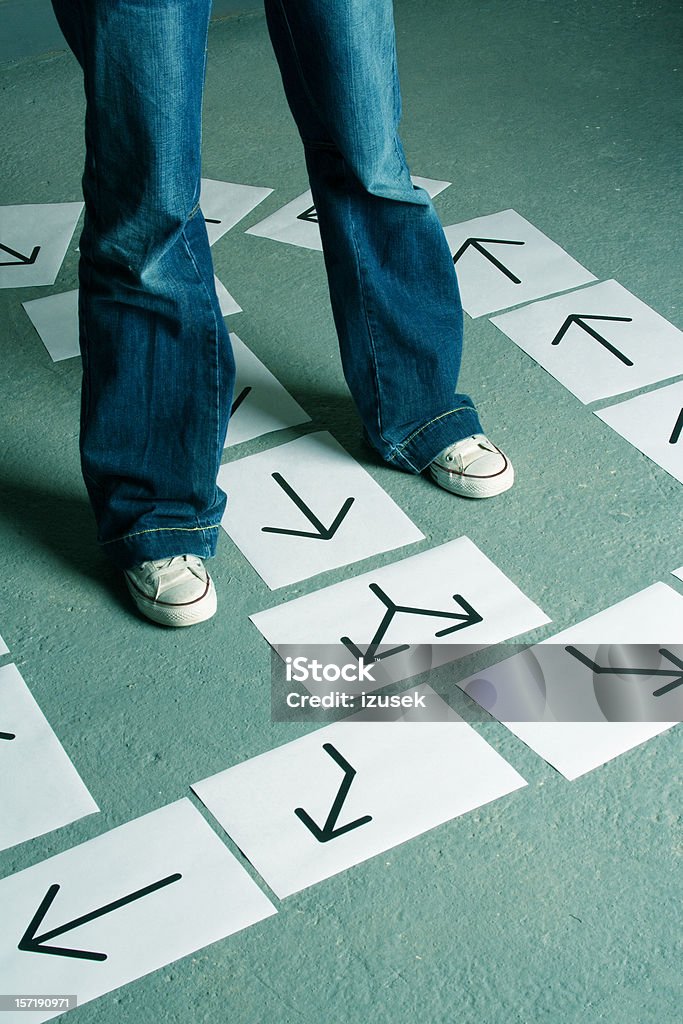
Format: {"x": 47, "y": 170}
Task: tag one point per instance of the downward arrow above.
{"x": 321, "y": 532}
{"x": 20, "y": 259}
{"x": 580, "y": 319}
{"x": 309, "y": 215}
{"x": 7, "y": 736}
{"x": 476, "y": 244}
{"x": 676, "y": 673}
{"x": 32, "y": 943}
{"x": 328, "y": 831}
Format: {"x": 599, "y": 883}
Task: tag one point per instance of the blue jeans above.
{"x": 158, "y": 371}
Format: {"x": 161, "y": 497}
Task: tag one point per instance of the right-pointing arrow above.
{"x": 580, "y": 320}
{"x": 476, "y": 244}
{"x": 20, "y": 260}
{"x": 676, "y": 674}
{"x": 32, "y": 943}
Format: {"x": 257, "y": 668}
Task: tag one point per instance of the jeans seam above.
{"x": 398, "y": 450}
{"x": 161, "y": 529}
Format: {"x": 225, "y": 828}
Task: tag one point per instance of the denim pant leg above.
{"x": 393, "y": 286}
{"x": 158, "y": 370}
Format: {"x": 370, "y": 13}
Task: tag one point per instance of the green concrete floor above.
{"x": 561, "y": 902}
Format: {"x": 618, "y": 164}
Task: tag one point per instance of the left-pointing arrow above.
{"x": 580, "y": 321}
{"x": 32, "y": 943}
{"x": 321, "y": 532}
{"x": 20, "y": 260}
{"x": 311, "y": 215}
{"x": 7, "y": 736}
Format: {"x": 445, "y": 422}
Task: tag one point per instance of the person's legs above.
{"x": 392, "y": 282}
{"x": 158, "y": 370}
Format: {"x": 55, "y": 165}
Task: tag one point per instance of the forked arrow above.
{"x": 321, "y": 532}
{"x": 677, "y": 673}
{"x": 580, "y": 319}
{"x": 476, "y": 244}
{"x": 32, "y": 943}
{"x": 328, "y": 831}
{"x": 20, "y": 259}
{"x": 310, "y": 215}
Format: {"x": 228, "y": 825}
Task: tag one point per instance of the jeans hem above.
{"x": 164, "y": 542}
{"x": 423, "y": 445}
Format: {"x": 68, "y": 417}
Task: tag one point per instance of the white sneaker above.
{"x": 174, "y": 591}
{"x": 473, "y": 468}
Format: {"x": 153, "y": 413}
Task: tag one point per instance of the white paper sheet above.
{"x": 409, "y": 777}
{"x": 637, "y": 345}
{"x": 678, "y": 573}
{"x": 480, "y": 605}
{"x": 518, "y": 263}
{"x": 225, "y": 203}
{"x": 202, "y": 894}
{"x": 260, "y": 402}
{"x": 297, "y": 224}
{"x": 33, "y": 242}
{"x": 40, "y": 789}
{"x": 56, "y": 320}
{"x": 653, "y": 424}
{"x": 225, "y": 300}
{"x": 310, "y": 485}
{"x": 4, "y": 649}
{"x": 653, "y": 616}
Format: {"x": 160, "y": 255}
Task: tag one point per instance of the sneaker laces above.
{"x": 467, "y": 449}
{"x": 169, "y": 572}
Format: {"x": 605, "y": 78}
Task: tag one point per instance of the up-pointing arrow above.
{"x": 476, "y": 244}
{"x": 580, "y": 319}
{"x": 328, "y": 831}
{"x": 321, "y": 532}
{"x": 32, "y": 943}
{"x": 20, "y": 260}
{"x": 676, "y": 673}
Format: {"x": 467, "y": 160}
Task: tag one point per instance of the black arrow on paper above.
{"x": 676, "y": 432}
{"x": 32, "y": 943}
{"x": 310, "y": 215}
{"x": 210, "y": 220}
{"x": 476, "y": 244}
{"x": 676, "y": 673}
{"x": 470, "y": 618}
{"x": 328, "y": 831}
{"x": 238, "y": 401}
{"x": 7, "y": 736}
{"x": 20, "y": 259}
{"x": 321, "y": 532}
{"x": 580, "y": 319}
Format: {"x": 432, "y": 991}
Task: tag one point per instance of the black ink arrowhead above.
{"x": 32, "y": 943}
{"x": 321, "y": 532}
{"x": 309, "y": 215}
{"x": 476, "y": 244}
{"x": 678, "y": 427}
{"x": 676, "y": 673}
{"x": 7, "y": 736}
{"x": 238, "y": 401}
{"x": 580, "y": 320}
{"x": 328, "y": 831}
{"x": 19, "y": 258}
{"x": 470, "y": 618}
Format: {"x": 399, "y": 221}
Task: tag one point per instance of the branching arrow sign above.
{"x": 321, "y": 532}
{"x": 580, "y": 320}
{"x": 309, "y": 215}
{"x": 676, "y": 673}
{"x": 20, "y": 260}
{"x": 328, "y": 831}
{"x": 476, "y": 244}
{"x": 470, "y": 618}
{"x": 32, "y": 943}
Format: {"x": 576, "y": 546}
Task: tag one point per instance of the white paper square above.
{"x": 40, "y": 789}
{"x": 530, "y": 263}
{"x": 296, "y": 223}
{"x": 653, "y": 424}
{"x": 4, "y": 649}
{"x": 225, "y": 203}
{"x": 333, "y": 486}
{"x": 213, "y": 897}
{"x": 560, "y": 334}
{"x": 37, "y": 237}
{"x": 448, "y": 578}
{"x": 55, "y": 318}
{"x": 261, "y": 404}
{"x": 226, "y": 302}
{"x": 653, "y": 616}
{"x": 409, "y": 777}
